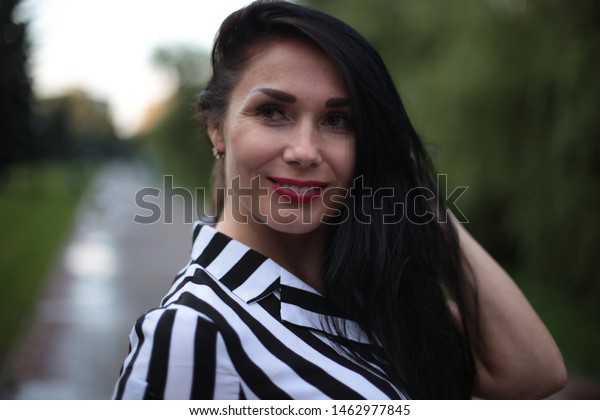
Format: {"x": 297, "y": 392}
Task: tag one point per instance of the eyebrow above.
{"x": 337, "y": 102}
{"x": 290, "y": 99}
{"x": 278, "y": 95}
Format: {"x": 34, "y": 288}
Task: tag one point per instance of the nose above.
{"x": 303, "y": 148}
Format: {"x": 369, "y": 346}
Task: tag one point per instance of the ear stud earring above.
{"x": 218, "y": 155}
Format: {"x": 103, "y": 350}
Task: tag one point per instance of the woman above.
{"x": 332, "y": 271}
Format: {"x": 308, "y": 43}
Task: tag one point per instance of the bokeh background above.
{"x": 505, "y": 93}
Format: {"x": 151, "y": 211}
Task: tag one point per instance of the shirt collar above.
{"x": 252, "y": 276}
{"x": 248, "y": 274}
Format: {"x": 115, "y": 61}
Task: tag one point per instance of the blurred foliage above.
{"x": 15, "y": 88}
{"x": 175, "y": 139}
{"x": 70, "y": 126}
{"x": 187, "y": 65}
{"x": 75, "y": 126}
{"x": 177, "y": 143}
{"x": 506, "y": 93}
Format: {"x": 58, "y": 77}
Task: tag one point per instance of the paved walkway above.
{"x": 111, "y": 271}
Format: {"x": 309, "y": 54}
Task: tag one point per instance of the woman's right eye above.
{"x": 271, "y": 112}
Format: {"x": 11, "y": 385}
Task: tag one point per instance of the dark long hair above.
{"x": 387, "y": 264}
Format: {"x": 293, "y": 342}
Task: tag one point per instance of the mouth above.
{"x": 296, "y": 190}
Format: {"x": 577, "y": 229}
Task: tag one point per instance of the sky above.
{"x": 105, "y": 47}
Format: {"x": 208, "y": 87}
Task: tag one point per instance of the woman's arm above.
{"x": 516, "y": 356}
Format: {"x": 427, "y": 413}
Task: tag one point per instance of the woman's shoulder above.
{"x": 221, "y": 280}
{"x": 165, "y": 344}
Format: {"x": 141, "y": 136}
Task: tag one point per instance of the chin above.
{"x": 295, "y": 223}
{"x": 294, "y": 228}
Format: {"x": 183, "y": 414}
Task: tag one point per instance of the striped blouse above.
{"x": 236, "y": 325}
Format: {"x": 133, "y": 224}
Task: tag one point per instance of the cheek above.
{"x": 248, "y": 151}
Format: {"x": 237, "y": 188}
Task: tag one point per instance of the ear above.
{"x": 215, "y": 134}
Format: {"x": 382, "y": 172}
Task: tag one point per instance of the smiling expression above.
{"x": 288, "y": 138}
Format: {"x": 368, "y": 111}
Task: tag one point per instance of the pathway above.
{"x": 110, "y": 271}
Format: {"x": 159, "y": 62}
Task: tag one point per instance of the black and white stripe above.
{"x": 236, "y": 325}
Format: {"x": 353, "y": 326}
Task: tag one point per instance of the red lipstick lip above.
{"x": 293, "y": 196}
{"x": 299, "y": 182}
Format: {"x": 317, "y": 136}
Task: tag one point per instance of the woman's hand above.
{"x": 516, "y": 356}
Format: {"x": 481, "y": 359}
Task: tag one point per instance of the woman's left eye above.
{"x": 339, "y": 122}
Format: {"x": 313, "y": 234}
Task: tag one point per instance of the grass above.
{"x": 37, "y": 205}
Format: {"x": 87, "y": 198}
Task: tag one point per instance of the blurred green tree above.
{"x": 15, "y": 89}
{"x": 176, "y": 137}
{"x": 74, "y": 125}
{"x": 188, "y": 65}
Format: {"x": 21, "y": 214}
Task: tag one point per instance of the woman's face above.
{"x": 288, "y": 139}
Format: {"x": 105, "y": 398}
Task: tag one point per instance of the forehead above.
{"x": 295, "y": 64}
